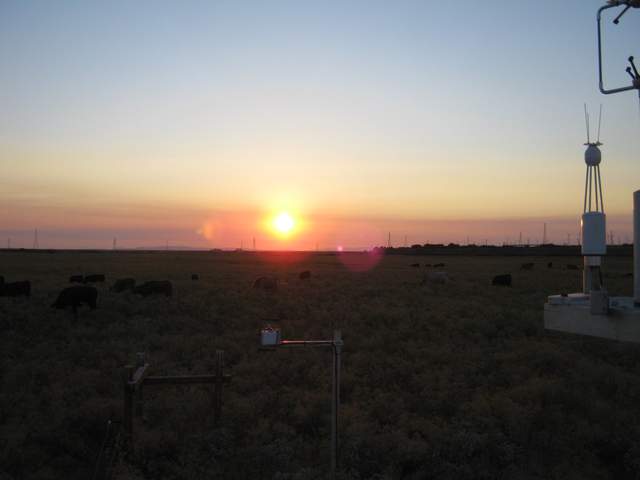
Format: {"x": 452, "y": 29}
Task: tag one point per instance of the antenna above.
{"x": 586, "y": 121}
{"x": 599, "y": 123}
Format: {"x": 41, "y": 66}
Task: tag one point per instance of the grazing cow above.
{"x": 526, "y": 266}
{"x": 123, "y": 284}
{"x": 95, "y": 278}
{"x": 572, "y": 267}
{"x": 436, "y": 277}
{"x": 76, "y": 296}
{"x": 195, "y": 276}
{"x": 550, "y": 265}
{"x": 415, "y": 265}
{"x": 502, "y": 280}
{"x": 305, "y": 275}
{"x": 439, "y": 265}
{"x": 76, "y": 279}
{"x": 15, "y": 289}
{"x": 160, "y": 287}
{"x": 266, "y": 283}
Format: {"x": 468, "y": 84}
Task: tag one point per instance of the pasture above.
{"x": 449, "y": 381}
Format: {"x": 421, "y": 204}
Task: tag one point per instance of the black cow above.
{"x": 305, "y": 275}
{"x": 266, "y": 283}
{"x": 550, "y": 265}
{"x": 502, "y": 280}
{"x": 95, "y": 278}
{"x": 76, "y": 296}
{"x": 438, "y": 265}
{"x": 415, "y": 265}
{"x": 76, "y": 279}
{"x": 123, "y": 284}
{"x": 159, "y": 287}
{"x": 195, "y": 276}
{"x": 527, "y": 266}
{"x": 15, "y": 289}
{"x": 572, "y": 267}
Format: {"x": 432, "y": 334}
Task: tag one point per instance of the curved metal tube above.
{"x": 601, "y": 84}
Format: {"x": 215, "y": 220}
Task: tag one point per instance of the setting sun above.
{"x": 283, "y": 223}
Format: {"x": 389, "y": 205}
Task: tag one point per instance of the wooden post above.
{"x": 140, "y": 362}
{"x": 217, "y": 409}
{"x": 127, "y": 419}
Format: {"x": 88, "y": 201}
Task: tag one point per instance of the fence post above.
{"x": 217, "y": 408}
{"x": 140, "y": 361}
{"x": 127, "y": 420}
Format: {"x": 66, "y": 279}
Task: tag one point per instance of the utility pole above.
{"x": 36, "y": 245}
{"x": 389, "y": 240}
{"x": 115, "y": 243}
{"x": 520, "y": 239}
{"x": 254, "y": 244}
{"x": 544, "y": 234}
{"x": 405, "y": 241}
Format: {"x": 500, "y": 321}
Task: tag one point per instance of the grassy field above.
{"x": 455, "y": 381}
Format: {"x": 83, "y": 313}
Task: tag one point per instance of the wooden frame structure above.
{"x": 136, "y": 378}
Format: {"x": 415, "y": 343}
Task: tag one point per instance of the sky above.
{"x": 195, "y": 123}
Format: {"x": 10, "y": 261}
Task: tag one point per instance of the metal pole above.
{"x": 337, "y": 347}
{"x": 636, "y": 247}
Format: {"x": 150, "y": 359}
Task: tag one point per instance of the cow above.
{"x": 123, "y": 284}
{"x": 266, "y": 283}
{"x": 502, "y": 280}
{"x": 76, "y": 296}
{"x": 415, "y": 265}
{"x": 305, "y": 275}
{"x": 572, "y": 267}
{"x": 439, "y": 265}
{"x": 550, "y": 265}
{"x": 195, "y": 276}
{"x": 76, "y": 279}
{"x": 436, "y": 277}
{"x": 15, "y": 289}
{"x": 526, "y": 266}
{"x": 161, "y": 287}
{"x": 94, "y": 278}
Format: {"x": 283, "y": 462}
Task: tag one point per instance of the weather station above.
{"x": 270, "y": 339}
{"x": 592, "y": 312}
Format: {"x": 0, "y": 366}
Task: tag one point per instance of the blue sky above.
{"x": 168, "y": 116}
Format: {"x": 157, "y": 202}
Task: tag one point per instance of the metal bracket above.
{"x": 632, "y": 71}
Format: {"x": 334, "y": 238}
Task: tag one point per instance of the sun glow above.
{"x": 283, "y": 223}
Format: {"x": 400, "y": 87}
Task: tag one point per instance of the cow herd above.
{"x": 85, "y": 294}
{"x": 505, "y": 280}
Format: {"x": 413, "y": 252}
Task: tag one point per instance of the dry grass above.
{"x": 446, "y": 381}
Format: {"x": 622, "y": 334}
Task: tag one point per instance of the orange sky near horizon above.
{"x": 195, "y": 123}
